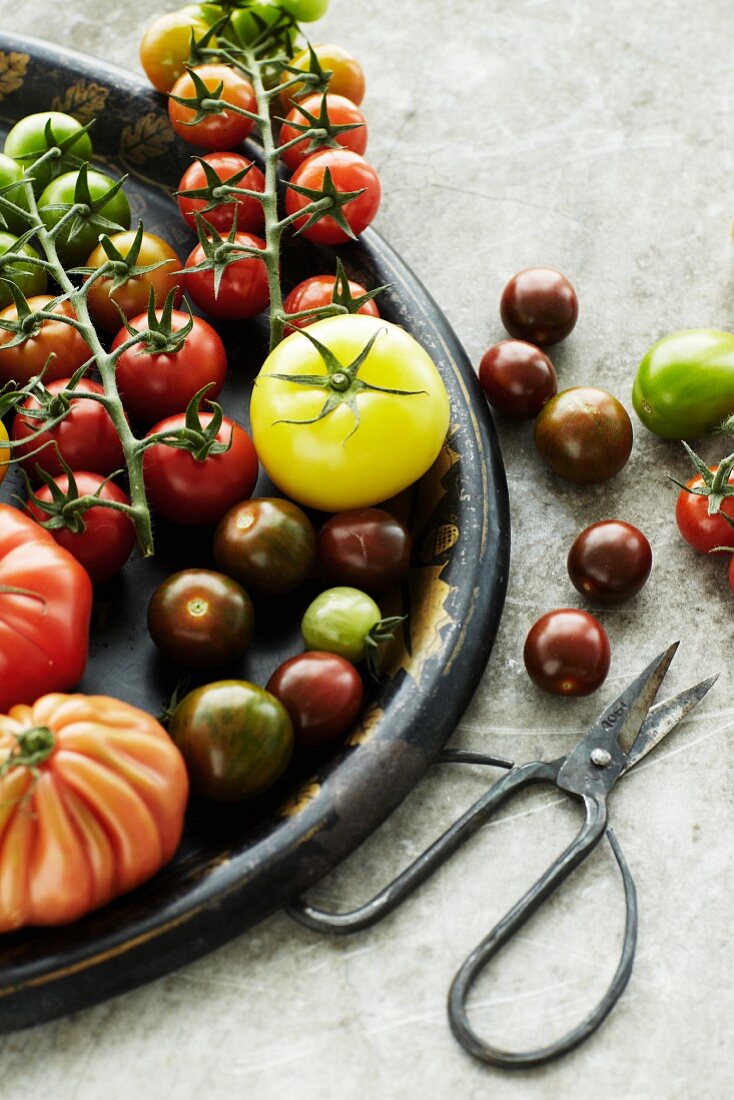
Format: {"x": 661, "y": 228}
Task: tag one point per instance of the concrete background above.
{"x": 597, "y": 138}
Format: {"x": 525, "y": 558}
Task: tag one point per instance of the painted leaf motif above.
{"x": 83, "y": 101}
{"x": 12, "y": 71}
{"x": 150, "y": 137}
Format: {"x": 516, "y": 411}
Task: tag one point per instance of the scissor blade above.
{"x": 664, "y": 717}
{"x": 624, "y": 717}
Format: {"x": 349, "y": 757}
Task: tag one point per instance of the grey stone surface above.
{"x": 597, "y": 138}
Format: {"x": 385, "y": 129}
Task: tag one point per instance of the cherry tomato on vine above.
{"x": 27, "y": 276}
{"x": 132, "y": 297}
{"x": 249, "y": 211}
{"x": 567, "y": 652}
{"x": 235, "y": 737}
{"x": 347, "y": 75}
{"x": 539, "y": 305}
{"x": 341, "y": 112}
{"x": 27, "y": 141}
{"x": 12, "y": 172}
{"x": 154, "y": 385}
{"x": 85, "y": 438}
{"x": 4, "y": 451}
{"x": 108, "y": 537}
{"x": 207, "y": 13}
{"x": 322, "y": 693}
{"x": 349, "y": 172}
{"x": 225, "y": 128}
{"x": 22, "y": 361}
{"x": 266, "y": 544}
{"x": 584, "y": 435}
{"x": 75, "y": 244}
{"x": 243, "y": 290}
{"x": 702, "y": 531}
{"x": 340, "y": 621}
{"x": 610, "y": 561}
{"x": 200, "y": 619}
{"x": 318, "y": 291}
{"x": 166, "y": 46}
{"x": 517, "y": 378}
{"x": 305, "y": 11}
{"x": 366, "y": 548}
{"x": 250, "y": 23}
{"x": 198, "y": 493}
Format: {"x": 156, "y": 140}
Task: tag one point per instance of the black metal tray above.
{"x": 237, "y": 864}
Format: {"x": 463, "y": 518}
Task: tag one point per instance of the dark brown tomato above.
{"x": 539, "y": 305}
{"x": 266, "y": 544}
{"x": 366, "y": 548}
{"x": 322, "y": 693}
{"x": 610, "y": 561}
{"x": 517, "y": 378}
{"x": 567, "y": 652}
{"x": 200, "y": 619}
{"x": 584, "y": 435}
{"x": 235, "y": 737}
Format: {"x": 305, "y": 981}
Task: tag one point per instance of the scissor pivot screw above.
{"x": 601, "y": 758}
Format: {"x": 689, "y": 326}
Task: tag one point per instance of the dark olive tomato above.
{"x": 366, "y": 548}
{"x": 567, "y": 652}
{"x": 200, "y": 618}
{"x": 266, "y": 544}
{"x": 610, "y": 561}
{"x": 517, "y": 378}
{"x": 235, "y": 737}
{"x": 584, "y": 435}
{"x": 539, "y": 305}
{"x": 322, "y": 693}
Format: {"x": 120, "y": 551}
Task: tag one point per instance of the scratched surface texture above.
{"x": 598, "y": 139}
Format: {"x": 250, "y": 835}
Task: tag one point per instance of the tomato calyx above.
{"x": 314, "y": 79}
{"x": 326, "y": 199}
{"x": 30, "y": 321}
{"x": 342, "y": 299}
{"x": 57, "y": 149}
{"x": 31, "y": 748}
{"x": 715, "y": 485}
{"x": 84, "y": 212}
{"x": 120, "y": 269}
{"x": 380, "y": 634}
{"x": 321, "y": 131}
{"x": 160, "y": 337}
{"x": 194, "y": 437}
{"x": 205, "y": 101}
{"x": 220, "y": 252}
{"x": 215, "y": 191}
{"x": 66, "y": 508}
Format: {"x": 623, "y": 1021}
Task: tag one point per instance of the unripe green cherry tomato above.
{"x": 53, "y": 204}
{"x": 685, "y": 383}
{"x": 12, "y": 172}
{"x": 339, "y": 621}
{"x": 27, "y": 141}
{"x": 305, "y": 11}
{"x": 27, "y": 276}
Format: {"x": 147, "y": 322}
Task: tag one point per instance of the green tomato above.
{"x": 206, "y": 13}
{"x": 30, "y": 278}
{"x": 247, "y": 30}
{"x": 27, "y": 141}
{"x": 305, "y": 11}
{"x": 685, "y": 384}
{"x": 340, "y": 621}
{"x": 12, "y": 172}
{"x": 59, "y": 196}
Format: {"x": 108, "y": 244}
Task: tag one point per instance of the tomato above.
{"x": 349, "y": 172}
{"x": 340, "y": 112}
{"x": 341, "y": 620}
{"x": 305, "y": 11}
{"x": 27, "y": 141}
{"x": 22, "y": 361}
{"x": 108, "y": 537}
{"x": 367, "y": 548}
{"x": 44, "y": 633}
{"x": 27, "y": 276}
{"x": 198, "y": 493}
{"x": 86, "y": 437}
{"x": 154, "y": 385}
{"x": 322, "y": 694}
{"x": 318, "y": 291}
{"x": 223, "y": 129}
{"x": 249, "y": 211}
{"x": 134, "y": 294}
{"x": 236, "y": 739}
{"x": 702, "y": 531}
{"x": 207, "y": 13}
{"x": 4, "y": 451}
{"x": 201, "y": 619}
{"x": 610, "y": 561}
{"x": 347, "y": 75}
{"x": 517, "y": 378}
{"x": 243, "y": 291}
{"x": 74, "y": 244}
{"x": 250, "y": 24}
{"x": 685, "y": 383}
{"x": 93, "y": 794}
{"x": 584, "y": 435}
{"x": 567, "y": 652}
{"x": 342, "y": 461}
{"x": 539, "y": 305}
{"x": 12, "y": 172}
{"x": 267, "y": 544}
{"x": 166, "y": 46}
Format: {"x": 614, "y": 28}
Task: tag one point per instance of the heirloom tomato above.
{"x": 200, "y": 618}
{"x": 322, "y": 693}
{"x": 243, "y": 290}
{"x": 367, "y": 548}
{"x": 349, "y": 172}
{"x": 27, "y": 276}
{"x": 347, "y": 75}
{"x": 517, "y": 378}
{"x": 92, "y": 800}
{"x": 27, "y": 141}
{"x": 567, "y": 652}
{"x": 610, "y": 561}
{"x": 539, "y": 305}
{"x": 364, "y": 416}
{"x": 267, "y": 544}
{"x": 249, "y": 210}
{"x": 166, "y": 46}
{"x": 134, "y": 294}
{"x": 340, "y": 112}
{"x": 341, "y": 620}
{"x": 584, "y": 435}
{"x": 63, "y": 342}
{"x": 700, "y": 530}
{"x": 222, "y": 129}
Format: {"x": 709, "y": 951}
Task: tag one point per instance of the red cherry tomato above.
{"x": 86, "y": 436}
{"x": 702, "y": 531}
{"x": 610, "y": 561}
{"x": 108, "y": 537}
{"x": 319, "y": 291}
{"x": 224, "y": 129}
{"x": 154, "y": 386}
{"x": 22, "y": 361}
{"x": 249, "y": 211}
{"x": 243, "y": 291}
{"x": 198, "y": 493}
{"x": 349, "y": 172}
{"x": 340, "y": 111}
{"x": 567, "y": 652}
{"x": 517, "y": 378}
{"x": 322, "y": 693}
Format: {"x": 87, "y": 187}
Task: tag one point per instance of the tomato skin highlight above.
{"x": 366, "y": 548}
{"x": 222, "y": 130}
{"x": 322, "y": 693}
{"x": 584, "y": 435}
{"x": 349, "y": 172}
{"x": 341, "y": 112}
{"x": 700, "y": 530}
{"x": 517, "y": 378}
{"x": 250, "y": 216}
{"x": 266, "y": 544}
{"x": 318, "y": 290}
{"x": 539, "y": 305}
{"x": 567, "y": 652}
{"x": 243, "y": 291}
{"x": 132, "y": 298}
{"x": 200, "y": 619}
{"x": 22, "y": 361}
{"x": 609, "y": 562}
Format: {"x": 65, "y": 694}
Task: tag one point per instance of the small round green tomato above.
{"x": 247, "y": 29}
{"x": 28, "y": 277}
{"x": 60, "y": 195}
{"x": 27, "y": 141}
{"x": 200, "y": 619}
{"x": 12, "y": 172}
{"x": 340, "y": 621}
{"x": 305, "y": 11}
{"x": 235, "y": 737}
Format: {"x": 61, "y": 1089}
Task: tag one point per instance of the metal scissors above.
{"x": 623, "y": 734}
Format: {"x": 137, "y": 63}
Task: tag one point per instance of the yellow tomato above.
{"x": 336, "y": 428}
{"x": 4, "y": 451}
